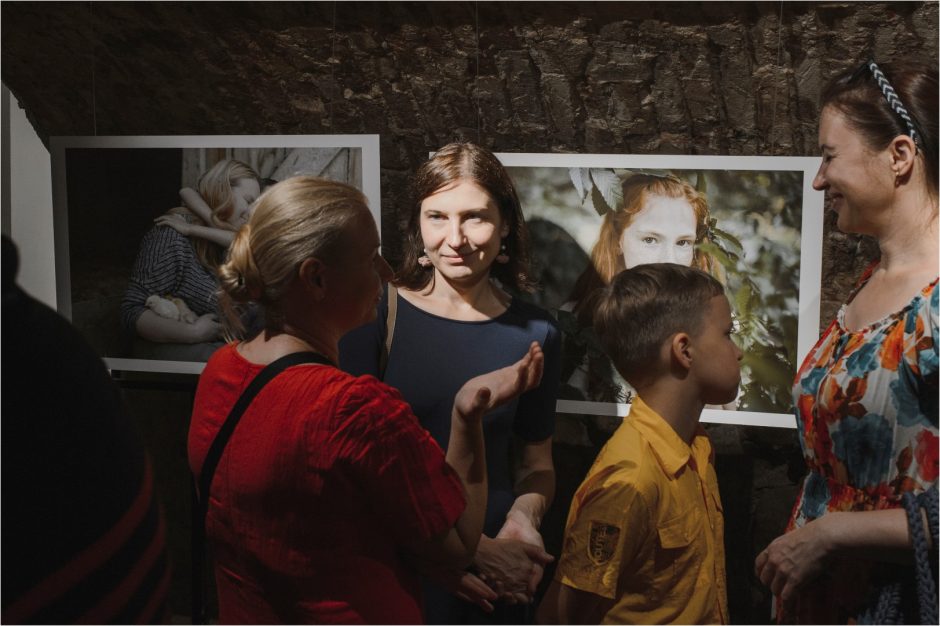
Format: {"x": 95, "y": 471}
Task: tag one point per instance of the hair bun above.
{"x": 239, "y": 276}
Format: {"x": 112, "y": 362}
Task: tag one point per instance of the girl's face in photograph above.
{"x": 244, "y": 193}
{"x": 462, "y": 230}
{"x": 662, "y": 232}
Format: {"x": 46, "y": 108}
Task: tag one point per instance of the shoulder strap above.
{"x": 204, "y": 480}
{"x": 926, "y": 584}
{"x": 389, "y": 329}
{"x": 228, "y": 427}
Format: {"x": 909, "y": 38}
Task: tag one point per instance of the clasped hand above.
{"x": 794, "y": 559}
{"x": 508, "y": 567}
{"x": 512, "y": 568}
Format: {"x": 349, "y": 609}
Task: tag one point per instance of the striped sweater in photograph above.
{"x": 167, "y": 265}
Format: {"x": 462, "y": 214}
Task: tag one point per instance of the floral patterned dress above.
{"x": 866, "y": 404}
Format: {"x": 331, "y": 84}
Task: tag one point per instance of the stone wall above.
{"x": 669, "y": 78}
{"x": 607, "y": 77}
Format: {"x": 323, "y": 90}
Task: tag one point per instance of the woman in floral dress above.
{"x": 866, "y": 395}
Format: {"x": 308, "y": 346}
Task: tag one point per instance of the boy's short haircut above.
{"x": 644, "y": 306}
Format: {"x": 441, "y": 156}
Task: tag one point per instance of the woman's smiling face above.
{"x": 461, "y": 228}
{"x": 856, "y": 179}
{"x": 663, "y": 232}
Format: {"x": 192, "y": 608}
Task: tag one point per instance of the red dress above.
{"x": 323, "y": 482}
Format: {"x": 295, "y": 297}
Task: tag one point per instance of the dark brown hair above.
{"x": 857, "y": 96}
{"x": 646, "y": 305}
{"x": 466, "y": 161}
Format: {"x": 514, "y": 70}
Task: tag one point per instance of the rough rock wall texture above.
{"x": 667, "y": 78}
{"x": 670, "y": 78}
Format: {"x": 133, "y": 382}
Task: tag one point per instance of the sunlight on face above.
{"x": 663, "y": 232}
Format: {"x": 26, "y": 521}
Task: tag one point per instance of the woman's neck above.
{"x": 324, "y": 344}
{"x": 908, "y": 241}
{"x": 469, "y": 301}
{"x": 267, "y": 348}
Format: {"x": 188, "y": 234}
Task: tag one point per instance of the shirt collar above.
{"x": 669, "y": 449}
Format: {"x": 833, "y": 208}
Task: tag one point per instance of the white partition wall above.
{"x": 27, "y": 201}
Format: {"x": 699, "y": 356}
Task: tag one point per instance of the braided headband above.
{"x": 893, "y": 100}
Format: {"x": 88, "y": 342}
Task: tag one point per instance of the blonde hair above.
{"x": 607, "y": 255}
{"x": 294, "y": 220}
{"x": 215, "y": 187}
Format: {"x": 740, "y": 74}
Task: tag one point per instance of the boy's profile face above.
{"x": 717, "y": 366}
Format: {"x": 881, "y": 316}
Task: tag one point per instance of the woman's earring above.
{"x": 503, "y": 256}
{"x": 424, "y": 260}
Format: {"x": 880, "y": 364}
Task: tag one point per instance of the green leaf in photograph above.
{"x": 743, "y": 300}
{"x": 598, "y": 202}
{"x": 701, "y": 183}
{"x": 725, "y": 236}
{"x": 727, "y": 258}
{"x": 610, "y": 187}
{"x": 581, "y": 181}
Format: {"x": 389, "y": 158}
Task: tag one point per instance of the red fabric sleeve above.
{"x": 401, "y": 467}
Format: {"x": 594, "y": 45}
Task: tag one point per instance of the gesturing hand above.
{"x": 488, "y": 391}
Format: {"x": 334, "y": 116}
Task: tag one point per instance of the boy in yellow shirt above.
{"x": 644, "y": 538}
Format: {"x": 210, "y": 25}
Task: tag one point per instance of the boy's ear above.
{"x": 680, "y": 347}
{"x": 313, "y": 277}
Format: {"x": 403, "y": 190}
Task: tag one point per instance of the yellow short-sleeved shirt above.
{"x": 645, "y": 527}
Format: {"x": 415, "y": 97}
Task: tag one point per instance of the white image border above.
{"x": 371, "y": 187}
{"x": 811, "y": 239}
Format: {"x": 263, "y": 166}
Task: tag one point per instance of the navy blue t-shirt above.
{"x": 432, "y": 357}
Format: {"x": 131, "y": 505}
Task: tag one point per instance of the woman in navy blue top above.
{"x": 466, "y": 237}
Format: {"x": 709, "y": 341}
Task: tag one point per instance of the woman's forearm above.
{"x": 158, "y": 329}
{"x": 879, "y": 535}
{"x": 799, "y": 556}
{"x": 195, "y": 203}
{"x": 534, "y": 482}
{"x": 216, "y": 235}
{"x": 466, "y": 455}
{"x": 535, "y": 494}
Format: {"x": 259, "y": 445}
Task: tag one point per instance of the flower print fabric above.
{"x": 866, "y": 405}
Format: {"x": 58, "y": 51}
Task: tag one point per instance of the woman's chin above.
{"x": 462, "y": 273}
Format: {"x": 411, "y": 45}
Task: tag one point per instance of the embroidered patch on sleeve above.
{"x": 603, "y": 542}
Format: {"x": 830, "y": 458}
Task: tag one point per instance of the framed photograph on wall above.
{"x": 755, "y": 223}
{"x": 140, "y": 223}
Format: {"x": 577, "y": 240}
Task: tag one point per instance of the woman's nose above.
{"x": 455, "y": 238}
{"x": 819, "y": 181}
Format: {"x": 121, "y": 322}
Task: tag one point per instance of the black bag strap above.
{"x": 228, "y": 427}
{"x": 204, "y": 480}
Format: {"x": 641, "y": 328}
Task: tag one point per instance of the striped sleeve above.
{"x": 167, "y": 265}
